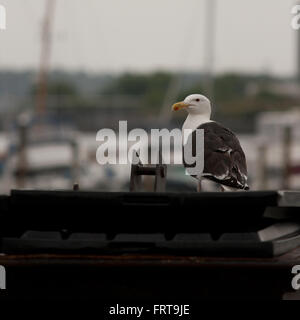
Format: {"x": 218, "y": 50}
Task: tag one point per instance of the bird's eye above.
{"x": 197, "y": 99}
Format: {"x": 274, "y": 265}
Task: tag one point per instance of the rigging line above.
{"x": 76, "y": 38}
{"x": 175, "y": 83}
{"x": 34, "y": 16}
{"x": 45, "y": 56}
{"x": 80, "y": 45}
{"x": 65, "y": 36}
{"x": 209, "y": 58}
{"x": 103, "y": 40}
{"x": 71, "y": 37}
{"x": 80, "y": 35}
{"x": 69, "y": 34}
{"x": 86, "y": 18}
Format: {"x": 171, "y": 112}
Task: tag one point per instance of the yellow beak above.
{"x": 179, "y": 105}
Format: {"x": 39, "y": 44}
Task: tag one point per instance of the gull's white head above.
{"x": 194, "y": 104}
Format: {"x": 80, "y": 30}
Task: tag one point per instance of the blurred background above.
{"x": 69, "y": 68}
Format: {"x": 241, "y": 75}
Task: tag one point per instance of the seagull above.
{"x": 224, "y": 158}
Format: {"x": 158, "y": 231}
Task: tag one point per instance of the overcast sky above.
{"x": 126, "y": 35}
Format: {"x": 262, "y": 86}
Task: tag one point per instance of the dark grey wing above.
{"x": 224, "y": 159}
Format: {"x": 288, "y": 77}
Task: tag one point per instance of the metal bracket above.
{"x": 138, "y": 169}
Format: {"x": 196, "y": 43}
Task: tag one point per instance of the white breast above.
{"x": 191, "y": 123}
